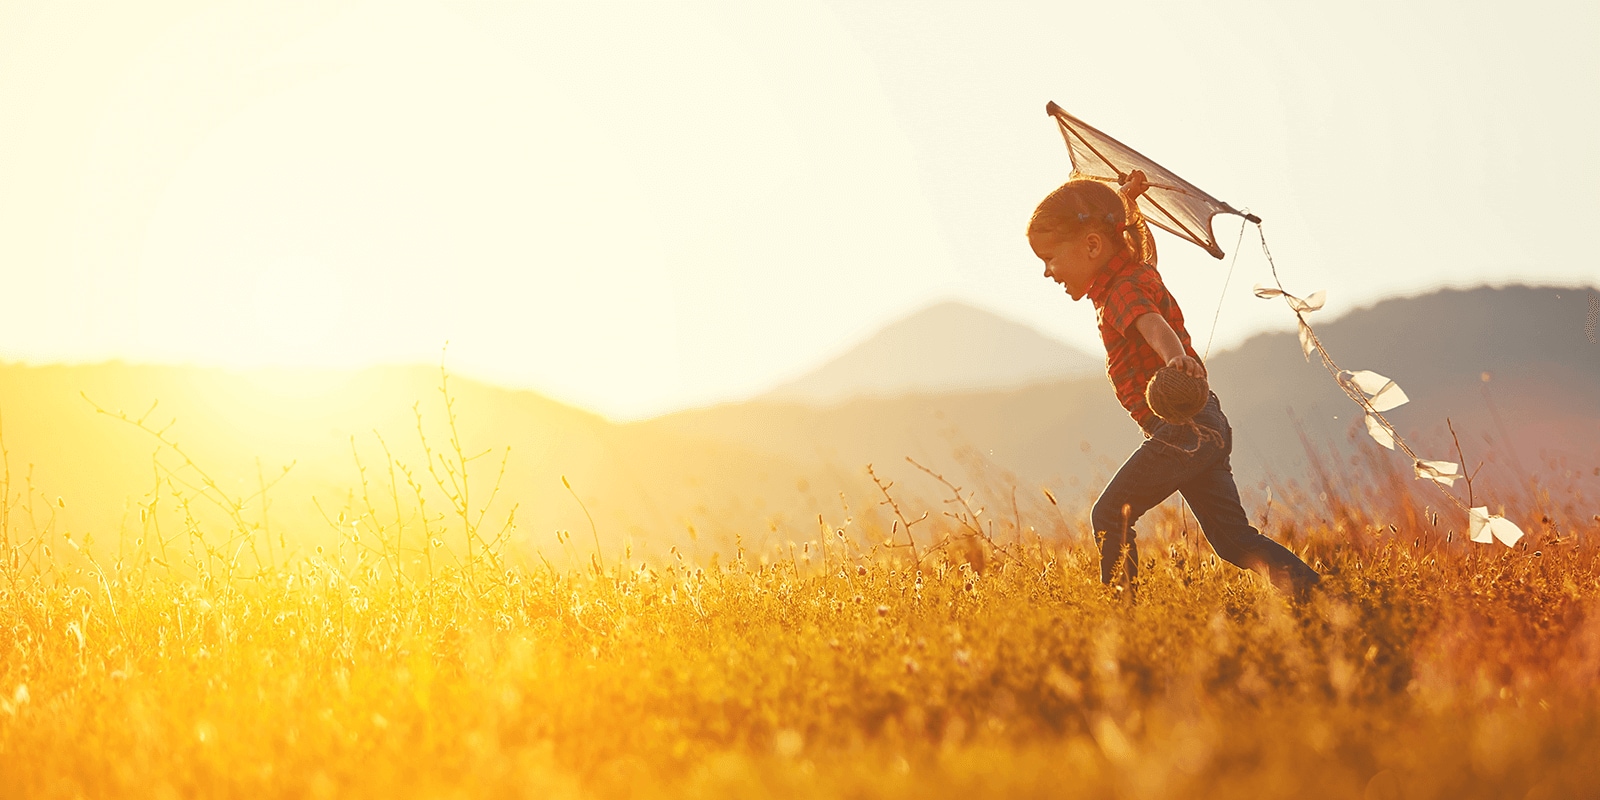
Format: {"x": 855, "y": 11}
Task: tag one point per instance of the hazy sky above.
{"x": 638, "y": 207}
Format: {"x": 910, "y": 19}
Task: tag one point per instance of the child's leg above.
{"x": 1214, "y": 497}
{"x": 1144, "y": 480}
{"x": 1174, "y": 457}
{"x": 1215, "y": 500}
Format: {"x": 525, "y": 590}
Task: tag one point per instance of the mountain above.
{"x": 945, "y": 347}
{"x": 69, "y": 469}
{"x": 1510, "y": 367}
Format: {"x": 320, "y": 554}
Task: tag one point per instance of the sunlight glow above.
{"x": 299, "y": 308}
{"x": 643, "y": 207}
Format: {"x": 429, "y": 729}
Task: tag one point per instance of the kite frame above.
{"x": 1208, "y": 240}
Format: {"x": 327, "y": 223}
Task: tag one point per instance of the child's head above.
{"x": 1078, "y": 228}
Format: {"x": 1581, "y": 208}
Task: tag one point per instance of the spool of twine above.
{"x": 1176, "y": 396}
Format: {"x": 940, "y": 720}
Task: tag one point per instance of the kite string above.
{"x": 1183, "y": 502}
{"x": 1335, "y": 370}
{"x": 1225, "y": 281}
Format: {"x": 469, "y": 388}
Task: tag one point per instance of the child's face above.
{"x": 1071, "y": 261}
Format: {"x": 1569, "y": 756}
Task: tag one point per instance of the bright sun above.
{"x": 300, "y": 309}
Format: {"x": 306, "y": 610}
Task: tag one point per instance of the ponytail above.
{"x": 1136, "y": 234}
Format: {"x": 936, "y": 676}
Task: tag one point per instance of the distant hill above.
{"x": 1510, "y": 367}
{"x": 91, "y": 473}
{"x": 946, "y": 347}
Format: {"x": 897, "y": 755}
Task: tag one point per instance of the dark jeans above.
{"x": 1194, "y": 462}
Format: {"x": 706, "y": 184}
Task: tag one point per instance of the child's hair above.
{"x": 1084, "y": 205}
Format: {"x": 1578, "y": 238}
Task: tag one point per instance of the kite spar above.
{"x": 1184, "y": 210}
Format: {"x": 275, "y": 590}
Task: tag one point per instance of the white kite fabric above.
{"x": 1181, "y": 208}
{"x": 1171, "y": 203}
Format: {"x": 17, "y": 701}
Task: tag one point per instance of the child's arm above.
{"x": 1159, "y": 334}
{"x": 1134, "y": 185}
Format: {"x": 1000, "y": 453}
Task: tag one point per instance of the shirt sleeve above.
{"x": 1127, "y": 301}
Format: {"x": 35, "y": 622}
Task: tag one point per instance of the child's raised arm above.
{"x": 1134, "y": 185}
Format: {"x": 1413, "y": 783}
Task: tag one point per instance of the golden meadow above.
{"x": 414, "y": 641}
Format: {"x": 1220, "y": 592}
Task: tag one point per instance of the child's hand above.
{"x": 1188, "y": 366}
{"x": 1135, "y": 185}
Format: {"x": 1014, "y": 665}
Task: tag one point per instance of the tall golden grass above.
{"x": 426, "y": 648}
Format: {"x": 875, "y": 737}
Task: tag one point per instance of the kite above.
{"x": 1184, "y": 210}
{"x": 1171, "y": 203}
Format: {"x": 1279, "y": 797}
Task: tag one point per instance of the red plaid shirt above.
{"x": 1122, "y": 292}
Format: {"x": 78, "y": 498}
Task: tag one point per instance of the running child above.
{"x": 1082, "y": 232}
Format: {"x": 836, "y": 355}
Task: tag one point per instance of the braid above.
{"x": 1136, "y": 233}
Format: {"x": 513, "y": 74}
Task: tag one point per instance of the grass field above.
{"x": 415, "y": 650}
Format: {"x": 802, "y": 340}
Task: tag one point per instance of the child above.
{"x": 1083, "y": 233}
